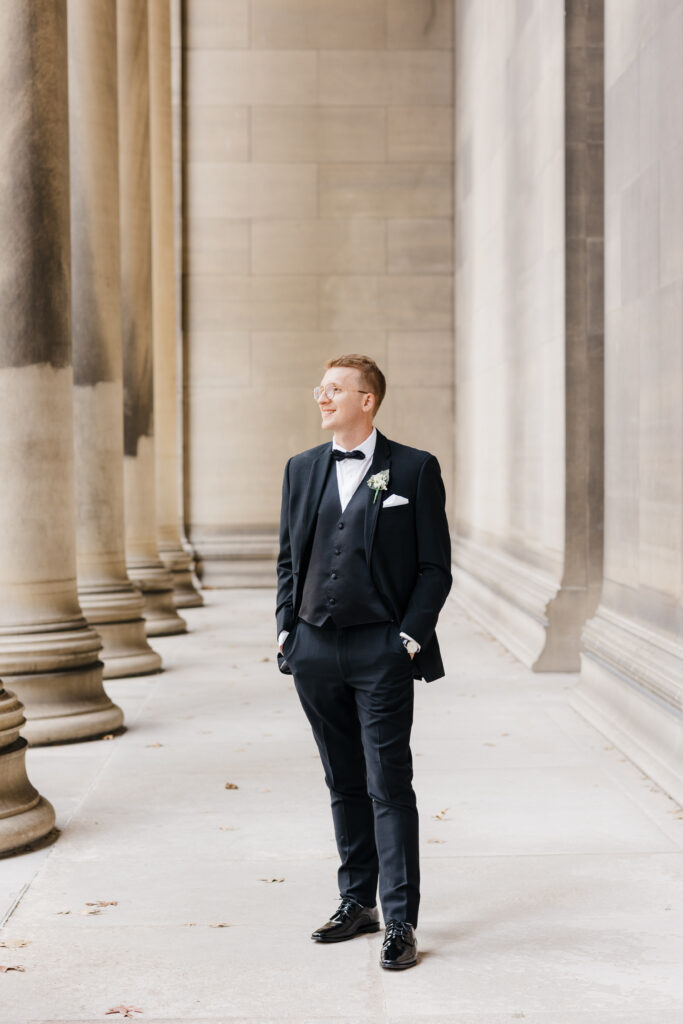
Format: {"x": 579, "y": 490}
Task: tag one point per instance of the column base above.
{"x": 180, "y": 563}
{"x": 116, "y": 610}
{"x": 26, "y": 815}
{"x": 237, "y": 560}
{"x": 64, "y": 706}
{"x": 523, "y": 607}
{"x": 631, "y": 689}
{"x": 185, "y": 594}
{"x": 125, "y": 650}
{"x": 161, "y": 616}
{"x": 156, "y": 584}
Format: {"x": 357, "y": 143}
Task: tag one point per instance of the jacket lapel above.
{"x": 314, "y": 490}
{"x": 381, "y": 460}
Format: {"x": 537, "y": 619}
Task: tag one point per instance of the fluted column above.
{"x": 24, "y": 815}
{"x": 48, "y": 651}
{"x": 108, "y": 598}
{"x": 144, "y": 565}
{"x": 171, "y": 549}
{"x": 179, "y": 127}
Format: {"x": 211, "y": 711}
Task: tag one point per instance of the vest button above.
{"x": 331, "y": 601}
{"x": 337, "y": 551}
{"x": 334, "y": 575}
{"x": 340, "y": 526}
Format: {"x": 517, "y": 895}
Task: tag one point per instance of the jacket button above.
{"x": 334, "y": 575}
{"x": 337, "y": 551}
{"x": 331, "y": 601}
{"x": 340, "y": 526}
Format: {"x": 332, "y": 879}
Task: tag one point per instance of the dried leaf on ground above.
{"x": 154, "y": 744}
{"x": 271, "y": 879}
{"x": 91, "y": 910}
{"x": 436, "y": 840}
{"x": 265, "y": 659}
{"x": 103, "y": 903}
{"x": 227, "y": 828}
{"x": 190, "y": 924}
{"x": 231, "y": 785}
{"x": 264, "y": 789}
{"x": 441, "y": 815}
{"x": 63, "y": 912}
{"x": 14, "y": 943}
{"x": 4, "y": 970}
{"x": 125, "y": 1011}
{"x": 219, "y": 924}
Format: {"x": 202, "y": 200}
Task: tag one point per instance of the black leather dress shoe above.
{"x": 399, "y": 949}
{"x": 350, "y": 918}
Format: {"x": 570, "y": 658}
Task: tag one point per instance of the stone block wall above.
{"x": 319, "y": 220}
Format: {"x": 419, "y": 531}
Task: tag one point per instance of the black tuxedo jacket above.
{"x": 407, "y": 547}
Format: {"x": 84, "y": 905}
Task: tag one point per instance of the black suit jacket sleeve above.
{"x": 284, "y": 613}
{"x": 433, "y": 556}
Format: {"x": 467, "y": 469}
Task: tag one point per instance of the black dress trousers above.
{"x": 356, "y": 688}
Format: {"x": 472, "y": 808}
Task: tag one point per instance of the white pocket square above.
{"x": 393, "y": 500}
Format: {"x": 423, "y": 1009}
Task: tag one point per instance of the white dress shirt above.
{"x": 350, "y": 473}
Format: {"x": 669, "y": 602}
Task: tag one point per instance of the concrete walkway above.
{"x": 552, "y": 868}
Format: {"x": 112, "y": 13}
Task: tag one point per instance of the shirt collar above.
{"x": 367, "y": 447}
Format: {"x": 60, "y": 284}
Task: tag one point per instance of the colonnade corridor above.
{"x": 551, "y": 865}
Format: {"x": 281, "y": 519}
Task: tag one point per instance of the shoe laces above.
{"x": 347, "y": 906}
{"x": 397, "y": 930}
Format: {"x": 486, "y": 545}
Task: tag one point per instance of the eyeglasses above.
{"x": 330, "y": 390}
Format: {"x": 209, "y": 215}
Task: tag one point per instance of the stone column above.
{"x": 24, "y": 815}
{"x": 171, "y": 549}
{"x": 631, "y": 684}
{"x": 179, "y": 135}
{"x": 108, "y": 598}
{"x": 529, "y": 332}
{"x": 47, "y": 648}
{"x": 144, "y": 564}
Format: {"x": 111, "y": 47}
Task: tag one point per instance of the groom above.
{"x": 363, "y": 571}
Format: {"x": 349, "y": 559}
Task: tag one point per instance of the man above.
{"x": 363, "y": 571}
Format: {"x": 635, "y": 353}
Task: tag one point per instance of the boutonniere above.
{"x": 378, "y": 483}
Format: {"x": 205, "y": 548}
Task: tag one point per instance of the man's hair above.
{"x": 371, "y": 376}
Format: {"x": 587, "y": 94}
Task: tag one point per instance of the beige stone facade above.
{"x": 319, "y": 220}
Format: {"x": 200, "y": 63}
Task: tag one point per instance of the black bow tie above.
{"x": 338, "y": 456}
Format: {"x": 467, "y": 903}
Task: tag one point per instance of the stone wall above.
{"x": 632, "y": 677}
{"x": 528, "y": 331}
{"x": 318, "y": 202}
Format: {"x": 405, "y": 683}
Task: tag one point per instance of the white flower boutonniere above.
{"x": 378, "y": 483}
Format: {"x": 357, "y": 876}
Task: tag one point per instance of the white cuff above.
{"x": 406, "y": 637}
{"x": 282, "y": 637}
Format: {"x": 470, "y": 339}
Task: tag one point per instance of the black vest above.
{"x": 338, "y": 585}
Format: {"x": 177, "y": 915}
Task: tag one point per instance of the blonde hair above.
{"x": 371, "y": 376}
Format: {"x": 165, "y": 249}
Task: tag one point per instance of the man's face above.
{"x": 349, "y": 408}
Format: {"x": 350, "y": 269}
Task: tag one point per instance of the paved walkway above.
{"x": 552, "y": 868}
